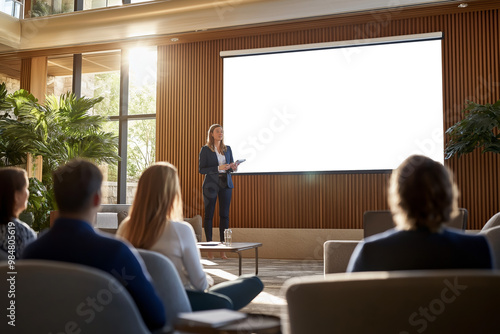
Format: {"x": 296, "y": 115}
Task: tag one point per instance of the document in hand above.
{"x": 210, "y": 318}
{"x": 240, "y": 161}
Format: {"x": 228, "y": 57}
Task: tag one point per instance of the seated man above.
{"x": 77, "y": 188}
{"x": 422, "y": 196}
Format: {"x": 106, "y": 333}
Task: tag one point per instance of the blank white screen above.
{"x": 340, "y": 109}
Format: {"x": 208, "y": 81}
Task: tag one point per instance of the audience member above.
{"x": 14, "y": 200}
{"x": 422, "y": 196}
{"x": 155, "y": 222}
{"x": 72, "y": 238}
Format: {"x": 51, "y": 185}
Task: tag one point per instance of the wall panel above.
{"x": 190, "y": 100}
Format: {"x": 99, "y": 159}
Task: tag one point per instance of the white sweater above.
{"x": 178, "y": 243}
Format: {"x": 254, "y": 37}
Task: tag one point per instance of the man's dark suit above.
{"x": 421, "y": 250}
{"x": 76, "y": 241}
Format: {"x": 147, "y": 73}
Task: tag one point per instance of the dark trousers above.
{"x": 233, "y": 295}
{"x": 211, "y": 192}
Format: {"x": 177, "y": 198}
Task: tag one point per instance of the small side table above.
{"x": 236, "y": 247}
{"x": 254, "y": 323}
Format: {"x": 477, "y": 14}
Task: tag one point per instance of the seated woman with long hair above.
{"x": 155, "y": 223}
{"x": 15, "y": 235}
{"x": 422, "y": 196}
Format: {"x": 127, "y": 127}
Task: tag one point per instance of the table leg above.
{"x": 256, "y": 261}
{"x": 239, "y": 254}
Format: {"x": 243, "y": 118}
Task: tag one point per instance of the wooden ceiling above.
{"x": 63, "y": 65}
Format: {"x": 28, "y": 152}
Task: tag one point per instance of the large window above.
{"x": 132, "y": 113}
{"x": 141, "y": 115}
{"x": 101, "y": 78}
{"x": 12, "y": 7}
{"x": 10, "y": 74}
{"x": 59, "y": 74}
{"x": 126, "y": 80}
{"x": 92, "y": 4}
{"x": 51, "y": 7}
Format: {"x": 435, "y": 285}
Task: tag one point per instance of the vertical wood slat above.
{"x": 190, "y": 100}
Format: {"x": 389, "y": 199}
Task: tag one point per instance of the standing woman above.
{"x": 14, "y": 195}
{"x": 216, "y": 162}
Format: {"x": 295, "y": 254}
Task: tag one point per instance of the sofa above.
{"x": 441, "y": 301}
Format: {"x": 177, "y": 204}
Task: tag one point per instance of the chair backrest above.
{"x": 4, "y": 256}
{"x": 453, "y": 301}
{"x": 55, "y": 297}
{"x": 196, "y": 222}
{"x": 375, "y": 222}
{"x": 493, "y": 236}
{"x": 168, "y": 284}
{"x": 492, "y": 222}
{"x": 337, "y": 254}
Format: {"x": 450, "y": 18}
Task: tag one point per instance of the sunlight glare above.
{"x": 142, "y": 66}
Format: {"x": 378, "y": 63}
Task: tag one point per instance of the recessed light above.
{"x": 174, "y": 39}
{"x": 463, "y": 5}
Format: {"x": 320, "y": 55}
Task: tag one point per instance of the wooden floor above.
{"x": 273, "y": 274}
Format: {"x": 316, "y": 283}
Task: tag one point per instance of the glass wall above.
{"x": 59, "y": 75}
{"x": 141, "y": 139}
{"x": 92, "y": 4}
{"x": 101, "y": 74}
{"x": 10, "y": 74}
{"x": 12, "y": 7}
{"x": 51, "y": 7}
{"x": 101, "y": 78}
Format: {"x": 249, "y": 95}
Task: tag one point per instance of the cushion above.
{"x": 196, "y": 222}
{"x": 107, "y": 220}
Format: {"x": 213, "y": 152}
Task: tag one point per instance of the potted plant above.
{"x": 478, "y": 129}
{"x": 59, "y": 130}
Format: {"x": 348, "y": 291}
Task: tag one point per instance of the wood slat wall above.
{"x": 190, "y": 100}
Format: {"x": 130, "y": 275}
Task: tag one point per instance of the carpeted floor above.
{"x": 273, "y": 274}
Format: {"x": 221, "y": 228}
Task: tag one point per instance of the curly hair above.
{"x": 422, "y": 194}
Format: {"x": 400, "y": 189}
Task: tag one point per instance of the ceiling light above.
{"x": 463, "y": 5}
{"x": 174, "y": 39}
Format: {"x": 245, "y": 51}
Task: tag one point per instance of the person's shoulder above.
{"x": 110, "y": 241}
{"x": 459, "y": 234}
{"x": 182, "y": 226}
{"x": 24, "y": 227}
{"x": 383, "y": 236}
{"x": 465, "y": 239}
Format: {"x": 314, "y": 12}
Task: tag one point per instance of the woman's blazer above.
{"x": 209, "y": 165}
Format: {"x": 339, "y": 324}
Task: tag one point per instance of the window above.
{"x": 12, "y": 7}
{"x": 101, "y": 78}
{"x": 59, "y": 74}
{"x": 134, "y": 123}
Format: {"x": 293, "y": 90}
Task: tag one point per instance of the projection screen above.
{"x": 357, "y": 106}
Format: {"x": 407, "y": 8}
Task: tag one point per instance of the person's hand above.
{"x": 234, "y": 166}
{"x": 224, "y": 167}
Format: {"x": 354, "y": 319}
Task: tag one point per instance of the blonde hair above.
{"x": 210, "y": 139}
{"x": 157, "y": 201}
{"x": 422, "y": 193}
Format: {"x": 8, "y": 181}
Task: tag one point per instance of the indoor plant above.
{"x": 478, "y": 129}
{"x": 60, "y": 129}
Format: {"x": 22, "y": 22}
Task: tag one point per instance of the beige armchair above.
{"x": 55, "y": 297}
{"x": 442, "y": 301}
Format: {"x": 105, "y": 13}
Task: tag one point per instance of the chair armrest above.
{"x": 337, "y": 254}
